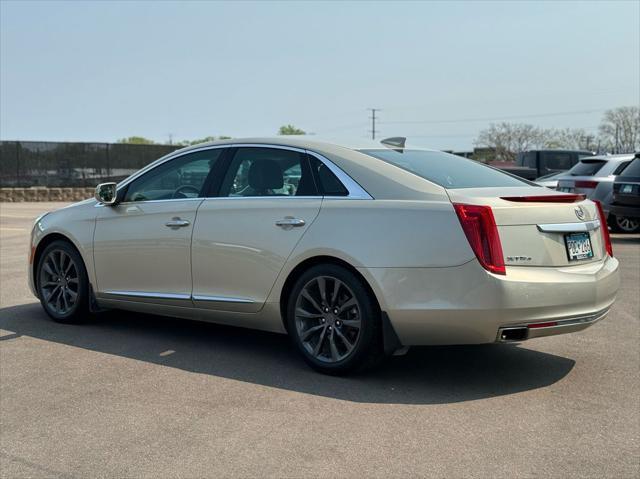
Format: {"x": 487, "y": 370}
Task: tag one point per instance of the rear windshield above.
{"x": 449, "y": 171}
{"x": 587, "y": 167}
{"x": 633, "y": 169}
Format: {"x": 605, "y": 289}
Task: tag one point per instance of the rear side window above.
{"x": 633, "y": 169}
{"x": 268, "y": 172}
{"x": 621, "y": 167}
{"x": 328, "y": 183}
{"x": 587, "y": 167}
{"x": 449, "y": 171}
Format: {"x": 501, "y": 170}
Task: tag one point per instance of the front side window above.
{"x": 180, "y": 178}
{"x": 448, "y": 171}
{"x": 268, "y": 172}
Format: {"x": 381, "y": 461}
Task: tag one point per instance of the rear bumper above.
{"x": 467, "y": 305}
{"x": 549, "y": 328}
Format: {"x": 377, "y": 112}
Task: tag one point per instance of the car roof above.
{"x": 380, "y": 179}
{"x": 310, "y": 142}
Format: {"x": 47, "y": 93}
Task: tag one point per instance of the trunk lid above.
{"x": 536, "y": 233}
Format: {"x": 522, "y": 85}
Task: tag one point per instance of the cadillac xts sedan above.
{"x": 356, "y": 251}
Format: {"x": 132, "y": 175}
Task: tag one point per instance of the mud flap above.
{"x": 93, "y": 304}
{"x": 390, "y": 341}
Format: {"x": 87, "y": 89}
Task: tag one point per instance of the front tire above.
{"x": 334, "y": 321}
{"x": 63, "y": 286}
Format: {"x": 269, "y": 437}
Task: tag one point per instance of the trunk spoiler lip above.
{"x": 564, "y": 198}
{"x": 569, "y": 227}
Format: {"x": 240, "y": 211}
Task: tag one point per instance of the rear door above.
{"x": 540, "y": 233}
{"x": 244, "y": 235}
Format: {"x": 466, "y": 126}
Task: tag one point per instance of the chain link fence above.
{"x": 55, "y": 164}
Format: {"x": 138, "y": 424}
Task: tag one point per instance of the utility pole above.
{"x": 373, "y": 122}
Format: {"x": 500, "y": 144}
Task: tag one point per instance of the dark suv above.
{"x": 626, "y": 196}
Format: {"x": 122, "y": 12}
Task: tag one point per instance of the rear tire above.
{"x": 623, "y": 224}
{"x": 334, "y": 321}
{"x": 63, "y": 285}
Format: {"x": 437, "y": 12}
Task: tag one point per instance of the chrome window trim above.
{"x": 354, "y": 189}
{"x": 221, "y": 299}
{"x": 569, "y": 227}
{"x": 146, "y": 202}
{"x": 149, "y": 294}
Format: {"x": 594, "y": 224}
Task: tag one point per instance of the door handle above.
{"x": 176, "y": 222}
{"x": 290, "y": 222}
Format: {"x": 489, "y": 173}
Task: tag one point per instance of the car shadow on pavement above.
{"x": 426, "y": 375}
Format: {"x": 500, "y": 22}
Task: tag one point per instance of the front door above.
{"x": 243, "y": 237}
{"x": 142, "y": 246}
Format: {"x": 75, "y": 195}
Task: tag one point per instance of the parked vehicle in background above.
{"x": 625, "y": 206}
{"x": 594, "y": 178}
{"x": 536, "y": 163}
{"x": 550, "y": 180}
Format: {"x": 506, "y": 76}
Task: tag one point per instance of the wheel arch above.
{"x": 308, "y": 263}
{"x": 42, "y": 245}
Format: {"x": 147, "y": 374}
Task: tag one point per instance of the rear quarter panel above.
{"x": 388, "y": 234}
{"x": 382, "y": 234}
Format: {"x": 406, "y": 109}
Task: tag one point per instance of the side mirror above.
{"x": 106, "y": 194}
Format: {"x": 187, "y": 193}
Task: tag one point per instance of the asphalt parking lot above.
{"x": 129, "y": 395}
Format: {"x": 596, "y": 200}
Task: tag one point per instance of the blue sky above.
{"x": 99, "y": 71}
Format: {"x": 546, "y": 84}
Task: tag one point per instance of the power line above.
{"x": 373, "y": 122}
{"x": 515, "y": 117}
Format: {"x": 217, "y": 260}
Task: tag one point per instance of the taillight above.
{"x": 586, "y": 184}
{"x": 605, "y": 229}
{"x": 480, "y": 228}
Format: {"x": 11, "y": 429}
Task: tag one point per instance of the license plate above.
{"x": 578, "y": 246}
{"x": 626, "y": 189}
{"x": 565, "y": 189}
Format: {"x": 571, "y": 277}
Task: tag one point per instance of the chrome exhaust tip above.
{"x": 509, "y": 335}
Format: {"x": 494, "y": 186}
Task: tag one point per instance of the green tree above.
{"x": 136, "y": 140}
{"x": 290, "y": 130}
